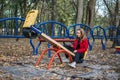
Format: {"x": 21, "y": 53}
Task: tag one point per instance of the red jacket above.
{"x": 83, "y": 45}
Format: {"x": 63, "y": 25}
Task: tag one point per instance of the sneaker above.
{"x": 73, "y": 64}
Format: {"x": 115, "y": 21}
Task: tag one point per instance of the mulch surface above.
{"x": 18, "y": 63}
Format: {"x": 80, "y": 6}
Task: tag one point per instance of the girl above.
{"x": 79, "y": 47}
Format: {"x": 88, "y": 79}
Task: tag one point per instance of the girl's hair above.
{"x": 83, "y": 36}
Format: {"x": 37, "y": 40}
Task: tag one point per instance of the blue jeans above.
{"x": 79, "y": 57}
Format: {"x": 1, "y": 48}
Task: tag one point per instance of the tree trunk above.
{"x": 79, "y": 11}
{"x": 91, "y": 12}
{"x": 117, "y": 18}
{"x": 16, "y": 9}
{"x": 23, "y": 11}
{"x": 53, "y": 13}
{"x": 116, "y": 22}
{"x": 1, "y": 8}
{"x": 53, "y": 16}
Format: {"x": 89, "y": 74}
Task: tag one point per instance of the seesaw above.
{"x": 29, "y": 30}
{"x": 58, "y": 49}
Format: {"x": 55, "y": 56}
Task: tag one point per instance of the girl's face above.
{"x": 78, "y": 34}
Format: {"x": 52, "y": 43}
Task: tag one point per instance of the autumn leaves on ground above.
{"x": 16, "y": 56}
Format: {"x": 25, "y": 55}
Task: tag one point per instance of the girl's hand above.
{"x": 75, "y": 51}
{"x": 71, "y": 45}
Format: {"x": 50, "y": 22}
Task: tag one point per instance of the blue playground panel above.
{"x": 118, "y": 36}
{"x": 58, "y": 30}
{"x": 11, "y": 27}
{"x": 118, "y": 40}
{"x": 99, "y": 33}
{"x": 115, "y": 34}
{"x": 111, "y": 30}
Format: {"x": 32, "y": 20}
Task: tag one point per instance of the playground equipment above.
{"x": 59, "y": 32}
{"x": 99, "y": 33}
{"x": 113, "y": 33}
{"x": 30, "y": 28}
{"x": 11, "y": 27}
{"x": 30, "y": 21}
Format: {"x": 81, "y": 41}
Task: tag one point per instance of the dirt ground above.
{"x": 18, "y": 63}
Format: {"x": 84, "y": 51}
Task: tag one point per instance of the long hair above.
{"x": 83, "y": 36}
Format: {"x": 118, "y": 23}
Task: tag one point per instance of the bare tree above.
{"x": 91, "y": 12}
{"x": 113, "y": 12}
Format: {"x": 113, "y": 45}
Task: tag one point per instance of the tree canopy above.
{"x": 90, "y": 12}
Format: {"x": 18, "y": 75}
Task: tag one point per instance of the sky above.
{"x": 100, "y": 6}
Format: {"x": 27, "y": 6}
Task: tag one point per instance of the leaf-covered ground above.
{"x": 17, "y": 63}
